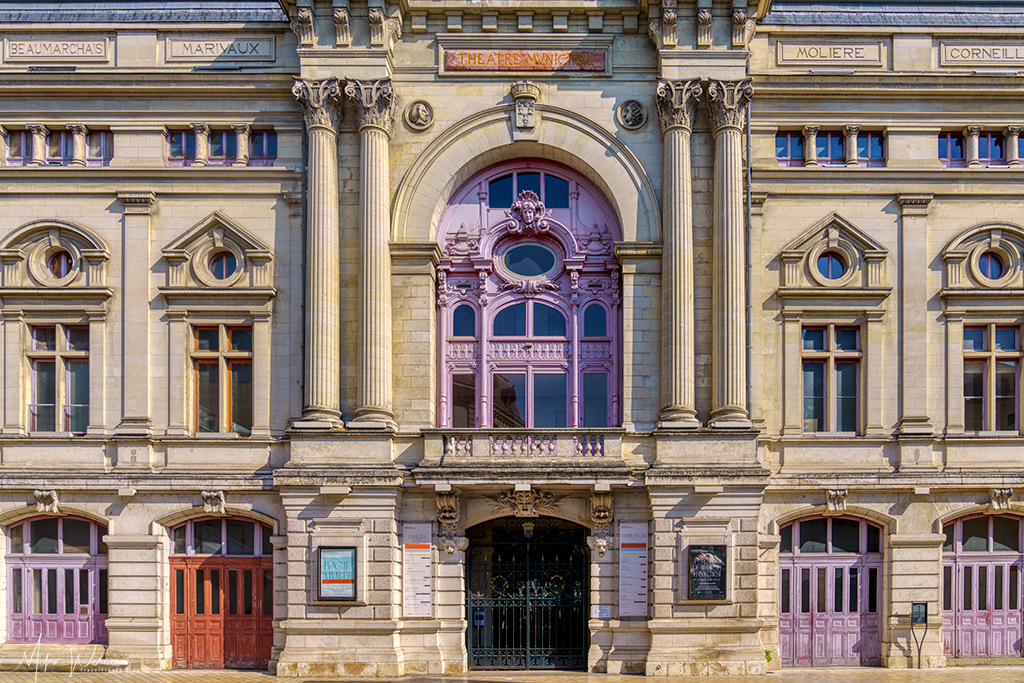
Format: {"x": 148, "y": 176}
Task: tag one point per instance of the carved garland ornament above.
{"x": 530, "y": 503}
{"x": 321, "y": 102}
{"x": 375, "y": 103}
{"x": 677, "y": 103}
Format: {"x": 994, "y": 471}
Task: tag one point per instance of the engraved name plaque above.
{"x": 49, "y": 50}
{"x": 551, "y": 61}
{"x": 835, "y": 54}
{"x": 222, "y": 49}
{"x": 1001, "y": 54}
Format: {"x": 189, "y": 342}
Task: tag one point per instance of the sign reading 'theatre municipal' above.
{"x": 524, "y": 60}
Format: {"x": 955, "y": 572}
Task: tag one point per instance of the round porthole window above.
{"x": 831, "y": 265}
{"x": 530, "y": 260}
{"x": 222, "y": 265}
{"x": 59, "y": 264}
{"x": 991, "y": 265}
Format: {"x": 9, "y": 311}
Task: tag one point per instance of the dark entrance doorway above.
{"x": 527, "y": 594}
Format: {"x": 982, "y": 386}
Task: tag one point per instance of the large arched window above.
{"x": 528, "y": 300}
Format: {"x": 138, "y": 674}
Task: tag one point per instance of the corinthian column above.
{"x": 727, "y": 102}
{"x": 677, "y": 103}
{"x": 375, "y": 105}
{"x": 321, "y": 104}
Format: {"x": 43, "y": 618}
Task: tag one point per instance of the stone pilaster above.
{"x": 202, "y": 132}
{"x": 810, "y": 145}
{"x": 914, "y": 394}
{"x": 850, "y": 133}
{"x": 727, "y": 102}
{"x": 321, "y": 103}
{"x": 971, "y": 143}
{"x": 39, "y": 133}
{"x": 78, "y": 133}
{"x": 241, "y": 143}
{"x": 677, "y": 103}
{"x": 1012, "y": 134}
{"x": 375, "y": 104}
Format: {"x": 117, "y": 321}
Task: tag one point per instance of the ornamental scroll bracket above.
{"x": 662, "y": 30}
{"x": 448, "y": 515}
{"x": 342, "y": 27}
{"x": 999, "y": 500}
{"x": 213, "y": 503}
{"x": 532, "y": 503}
{"x": 302, "y": 25}
{"x": 47, "y": 501}
{"x": 384, "y": 30}
{"x": 601, "y": 516}
{"x": 835, "y": 501}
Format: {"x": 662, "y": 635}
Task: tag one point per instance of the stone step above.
{"x": 55, "y": 657}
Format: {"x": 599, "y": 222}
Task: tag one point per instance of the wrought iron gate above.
{"x": 527, "y": 595}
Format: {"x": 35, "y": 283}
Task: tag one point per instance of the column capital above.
{"x": 200, "y": 128}
{"x": 37, "y": 129}
{"x": 243, "y": 128}
{"x": 727, "y": 102}
{"x": 851, "y": 129}
{"x": 677, "y": 103}
{"x": 972, "y": 130}
{"x": 77, "y": 128}
{"x": 1013, "y": 130}
{"x": 321, "y": 102}
{"x": 375, "y": 103}
{"x": 811, "y": 130}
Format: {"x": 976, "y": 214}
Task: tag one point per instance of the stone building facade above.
{"x": 363, "y": 338}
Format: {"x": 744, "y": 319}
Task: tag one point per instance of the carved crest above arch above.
{"x": 859, "y": 263}
{"x": 218, "y": 256}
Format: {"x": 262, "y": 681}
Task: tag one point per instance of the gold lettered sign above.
{"x": 1001, "y": 54}
{"x": 222, "y": 49}
{"x": 55, "y": 50}
{"x": 550, "y": 61}
{"x": 828, "y": 54}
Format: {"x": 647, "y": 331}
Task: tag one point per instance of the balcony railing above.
{"x": 534, "y": 445}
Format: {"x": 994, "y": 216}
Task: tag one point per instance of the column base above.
{"x": 692, "y": 423}
{"x": 674, "y": 417}
{"x": 372, "y": 418}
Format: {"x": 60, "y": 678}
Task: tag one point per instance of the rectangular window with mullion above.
{"x": 831, "y": 378}
{"x": 830, "y": 148}
{"x": 991, "y": 378}
{"x": 223, "y": 396}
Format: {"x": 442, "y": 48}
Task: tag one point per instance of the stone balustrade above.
{"x": 445, "y": 446}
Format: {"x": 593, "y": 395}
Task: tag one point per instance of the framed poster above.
{"x": 707, "y": 572}
{"x": 337, "y": 574}
{"x": 633, "y": 569}
{"x": 417, "y": 571}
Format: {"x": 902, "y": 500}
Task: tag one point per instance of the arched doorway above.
{"x": 830, "y": 584}
{"x": 222, "y": 604}
{"x": 982, "y": 608}
{"x": 527, "y": 594}
{"x": 57, "y": 581}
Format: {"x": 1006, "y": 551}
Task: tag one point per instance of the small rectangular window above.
{"x": 223, "y": 148}
{"x": 70, "y": 604}
{"x": 181, "y": 148}
{"x": 991, "y": 150}
{"x": 102, "y": 598}
{"x": 982, "y": 587}
{"x": 247, "y": 591}
{"x": 822, "y": 595}
{"x": 508, "y": 398}
{"x": 19, "y": 147}
{"x": 805, "y": 591}
{"x": 51, "y": 591}
{"x": 99, "y": 148}
{"x": 214, "y": 591}
{"x": 854, "y": 586}
{"x": 268, "y": 593}
{"x": 837, "y": 591}
{"x": 873, "y": 590}
{"x": 997, "y": 588}
{"x": 789, "y": 148}
{"x": 813, "y": 533}
{"x": 831, "y": 148}
{"x": 814, "y": 339}
{"x": 871, "y": 148}
{"x": 232, "y": 592}
{"x": 1014, "y": 586}
{"x": 974, "y": 535}
{"x": 951, "y": 149}
{"x": 200, "y": 591}
{"x": 241, "y": 537}
{"x": 262, "y": 148}
{"x": 529, "y": 180}
{"x": 179, "y": 540}
{"x": 556, "y": 192}
{"x": 786, "y": 545}
{"x": 17, "y": 539}
{"x": 207, "y": 537}
{"x": 499, "y": 192}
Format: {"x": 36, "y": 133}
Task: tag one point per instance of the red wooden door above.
{"x": 218, "y": 615}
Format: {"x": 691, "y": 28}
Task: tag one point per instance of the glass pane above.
{"x": 207, "y": 339}
{"x": 974, "y": 339}
{"x": 464, "y": 321}
{"x": 217, "y": 144}
{"x": 846, "y": 396}
{"x": 78, "y": 339}
{"x": 241, "y": 537}
{"x": 975, "y": 534}
{"x": 77, "y": 533}
{"x": 812, "y": 536}
{"x": 45, "y": 395}
{"x": 556, "y": 192}
{"x": 784, "y": 592}
{"x": 207, "y": 537}
{"x": 177, "y": 144}
{"x": 814, "y": 401}
{"x": 17, "y": 576}
{"x": 511, "y": 321}
{"x": 190, "y": 145}
{"x": 463, "y": 401}
{"x": 17, "y": 533}
{"x": 241, "y": 338}
{"x": 231, "y": 145}
{"x": 51, "y": 591}
{"x": 996, "y": 147}
{"x": 968, "y": 586}
{"x": 247, "y": 591}
{"x": 178, "y": 535}
{"x": 781, "y": 145}
{"x": 997, "y": 589}
{"x": 846, "y": 339}
{"x": 528, "y": 181}
{"x": 549, "y": 401}
{"x": 948, "y": 530}
{"x": 947, "y": 588}
{"x": 1014, "y": 586}
{"x": 821, "y": 590}
{"x": 1006, "y": 339}
{"x": 268, "y": 593}
{"x": 862, "y": 146}
{"x": 200, "y": 591}
{"x": 78, "y": 396}
{"x": 595, "y": 322}
{"x": 814, "y": 339}
{"x": 974, "y": 392}
{"x": 873, "y": 590}
{"x": 874, "y": 539}
{"x": 786, "y": 546}
{"x": 547, "y": 321}
{"x": 837, "y": 591}
{"x": 179, "y": 591}
{"x": 207, "y": 397}
{"x": 271, "y": 144}
{"x": 982, "y": 587}
{"x": 595, "y": 400}
{"x": 103, "y": 592}
{"x": 529, "y": 260}
{"x": 983, "y": 147}
{"x": 500, "y": 192}
{"x": 214, "y": 591}
{"x": 796, "y": 146}
{"x": 37, "y": 591}
{"x": 1005, "y": 534}
{"x": 1006, "y": 395}
{"x": 43, "y": 535}
{"x": 821, "y": 146}
{"x": 956, "y": 147}
{"x": 232, "y": 591}
{"x": 854, "y": 606}
{"x": 509, "y": 399}
{"x": 69, "y": 591}
{"x": 845, "y": 536}
{"x": 268, "y": 547}
{"x": 805, "y": 591}
{"x": 241, "y": 397}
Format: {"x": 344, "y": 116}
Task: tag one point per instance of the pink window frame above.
{"x": 261, "y": 156}
{"x": 790, "y": 159}
{"x": 574, "y": 363}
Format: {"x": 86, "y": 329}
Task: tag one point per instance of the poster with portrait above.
{"x": 707, "y": 572}
{"x": 337, "y": 574}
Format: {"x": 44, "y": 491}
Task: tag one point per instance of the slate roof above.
{"x": 1009, "y": 13}
{"x": 126, "y": 11}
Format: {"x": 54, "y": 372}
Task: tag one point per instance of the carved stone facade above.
{"x": 245, "y": 315}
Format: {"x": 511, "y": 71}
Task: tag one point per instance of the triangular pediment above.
{"x": 217, "y": 227}
{"x": 831, "y": 229}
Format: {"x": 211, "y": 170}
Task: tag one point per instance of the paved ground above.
{"x": 979, "y": 674}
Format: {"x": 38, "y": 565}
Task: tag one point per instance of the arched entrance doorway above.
{"x": 830, "y": 583}
{"x": 527, "y": 595}
{"x": 222, "y": 603}
{"x": 981, "y": 587}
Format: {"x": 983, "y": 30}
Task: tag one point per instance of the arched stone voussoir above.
{"x": 173, "y": 519}
{"x": 485, "y": 138}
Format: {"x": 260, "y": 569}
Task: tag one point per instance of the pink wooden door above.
{"x": 57, "y": 600}
{"x": 982, "y": 611}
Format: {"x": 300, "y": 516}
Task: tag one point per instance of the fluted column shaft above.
{"x": 321, "y": 103}
{"x": 677, "y": 101}
{"x": 375, "y": 109}
{"x": 727, "y": 104}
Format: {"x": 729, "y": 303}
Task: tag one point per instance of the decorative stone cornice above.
{"x": 677, "y": 103}
{"x": 384, "y": 30}
{"x": 727, "y": 102}
{"x": 302, "y": 24}
{"x": 375, "y": 103}
{"x": 321, "y": 102}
